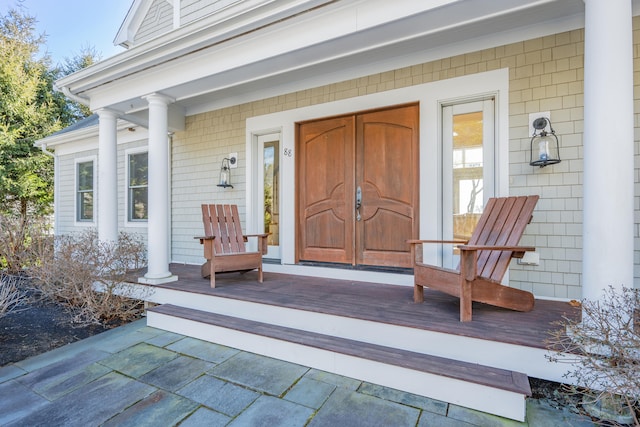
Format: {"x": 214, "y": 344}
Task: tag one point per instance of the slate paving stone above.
{"x": 269, "y": 411}
{"x": 337, "y": 380}
{"x": 478, "y": 418}
{"x": 64, "y": 384}
{"x": 310, "y": 393}
{"x": 204, "y": 417}
{"x": 9, "y": 372}
{"x": 221, "y": 396}
{"x": 58, "y": 371}
{"x": 164, "y": 339}
{"x": 260, "y": 373}
{"x": 203, "y": 350}
{"x": 177, "y": 373}
{"x": 409, "y": 399}
{"x": 139, "y": 359}
{"x": 541, "y": 413}
{"x": 161, "y": 408}
{"x": 348, "y": 408}
{"x": 116, "y": 343}
{"x": 428, "y": 419}
{"x": 17, "y": 401}
{"x": 91, "y": 404}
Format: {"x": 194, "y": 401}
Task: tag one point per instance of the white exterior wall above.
{"x": 84, "y": 149}
{"x": 65, "y": 199}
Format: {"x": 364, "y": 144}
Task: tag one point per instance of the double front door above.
{"x": 358, "y": 188}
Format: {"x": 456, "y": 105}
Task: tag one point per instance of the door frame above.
{"x": 431, "y": 97}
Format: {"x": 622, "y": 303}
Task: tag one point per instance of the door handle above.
{"x": 358, "y": 203}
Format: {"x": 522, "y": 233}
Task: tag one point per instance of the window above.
{"x": 468, "y": 147}
{"x": 84, "y": 191}
{"x": 137, "y": 186}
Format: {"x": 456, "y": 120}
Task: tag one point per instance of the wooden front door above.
{"x": 358, "y": 188}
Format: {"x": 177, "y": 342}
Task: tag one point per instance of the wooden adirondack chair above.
{"x": 484, "y": 259}
{"x": 224, "y": 243}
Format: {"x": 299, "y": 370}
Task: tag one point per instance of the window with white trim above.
{"x": 84, "y": 191}
{"x": 137, "y": 187}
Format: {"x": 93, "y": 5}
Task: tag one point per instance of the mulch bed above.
{"x": 38, "y": 328}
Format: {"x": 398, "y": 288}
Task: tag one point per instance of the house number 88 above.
{"x": 288, "y": 152}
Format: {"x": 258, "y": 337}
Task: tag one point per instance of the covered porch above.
{"x": 370, "y": 331}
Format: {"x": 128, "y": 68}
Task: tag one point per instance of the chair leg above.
{"x": 260, "y": 277}
{"x": 466, "y": 300}
{"x": 213, "y": 272}
{"x": 418, "y": 293}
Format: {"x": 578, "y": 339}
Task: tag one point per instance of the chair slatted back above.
{"x": 223, "y": 223}
{"x": 502, "y": 224}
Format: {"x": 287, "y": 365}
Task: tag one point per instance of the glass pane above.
{"x": 138, "y": 208}
{"x": 85, "y": 206}
{"x": 85, "y": 176}
{"x": 467, "y": 173}
{"x": 138, "y": 170}
{"x": 271, "y": 204}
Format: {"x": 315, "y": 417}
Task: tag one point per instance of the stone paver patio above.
{"x": 140, "y": 376}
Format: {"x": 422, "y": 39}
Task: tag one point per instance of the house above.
{"x": 287, "y": 92}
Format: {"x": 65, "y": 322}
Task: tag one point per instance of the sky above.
{"x": 71, "y": 25}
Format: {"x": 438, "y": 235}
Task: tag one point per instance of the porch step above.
{"x": 475, "y": 386}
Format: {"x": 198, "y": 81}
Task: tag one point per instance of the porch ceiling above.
{"x": 268, "y": 61}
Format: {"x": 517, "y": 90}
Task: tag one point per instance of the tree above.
{"x": 30, "y": 109}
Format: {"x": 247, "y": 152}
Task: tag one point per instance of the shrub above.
{"x": 604, "y": 351}
{"x": 12, "y": 298}
{"x": 89, "y": 276}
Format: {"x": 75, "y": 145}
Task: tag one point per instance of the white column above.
{"x": 608, "y": 148}
{"x": 158, "y": 226}
{"x": 107, "y": 176}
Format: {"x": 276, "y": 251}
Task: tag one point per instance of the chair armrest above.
{"x": 416, "y": 247}
{"x": 416, "y": 242}
{"x": 203, "y": 238}
{"x": 263, "y": 247}
{"x": 495, "y": 248}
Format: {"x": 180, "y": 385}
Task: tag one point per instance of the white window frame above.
{"x": 127, "y": 222}
{"x": 76, "y": 183}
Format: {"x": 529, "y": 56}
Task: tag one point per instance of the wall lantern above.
{"x": 544, "y": 144}
{"x": 225, "y": 172}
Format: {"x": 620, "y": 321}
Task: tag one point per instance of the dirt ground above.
{"x": 38, "y": 328}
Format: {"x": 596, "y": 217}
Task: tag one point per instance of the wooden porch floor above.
{"x": 389, "y": 304}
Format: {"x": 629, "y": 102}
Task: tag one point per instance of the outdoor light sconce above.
{"x": 225, "y": 172}
{"x": 544, "y": 143}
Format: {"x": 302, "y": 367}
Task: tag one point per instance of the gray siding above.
{"x": 192, "y": 10}
{"x": 159, "y": 20}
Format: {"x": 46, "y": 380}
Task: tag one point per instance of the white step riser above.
{"x": 470, "y": 395}
{"x": 530, "y": 361}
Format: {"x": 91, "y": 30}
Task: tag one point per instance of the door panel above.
{"x": 386, "y": 168}
{"x": 376, "y": 152}
{"x": 325, "y": 216}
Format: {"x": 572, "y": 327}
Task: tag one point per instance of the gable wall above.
{"x": 545, "y": 74}
{"x": 192, "y": 10}
{"x": 159, "y": 20}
